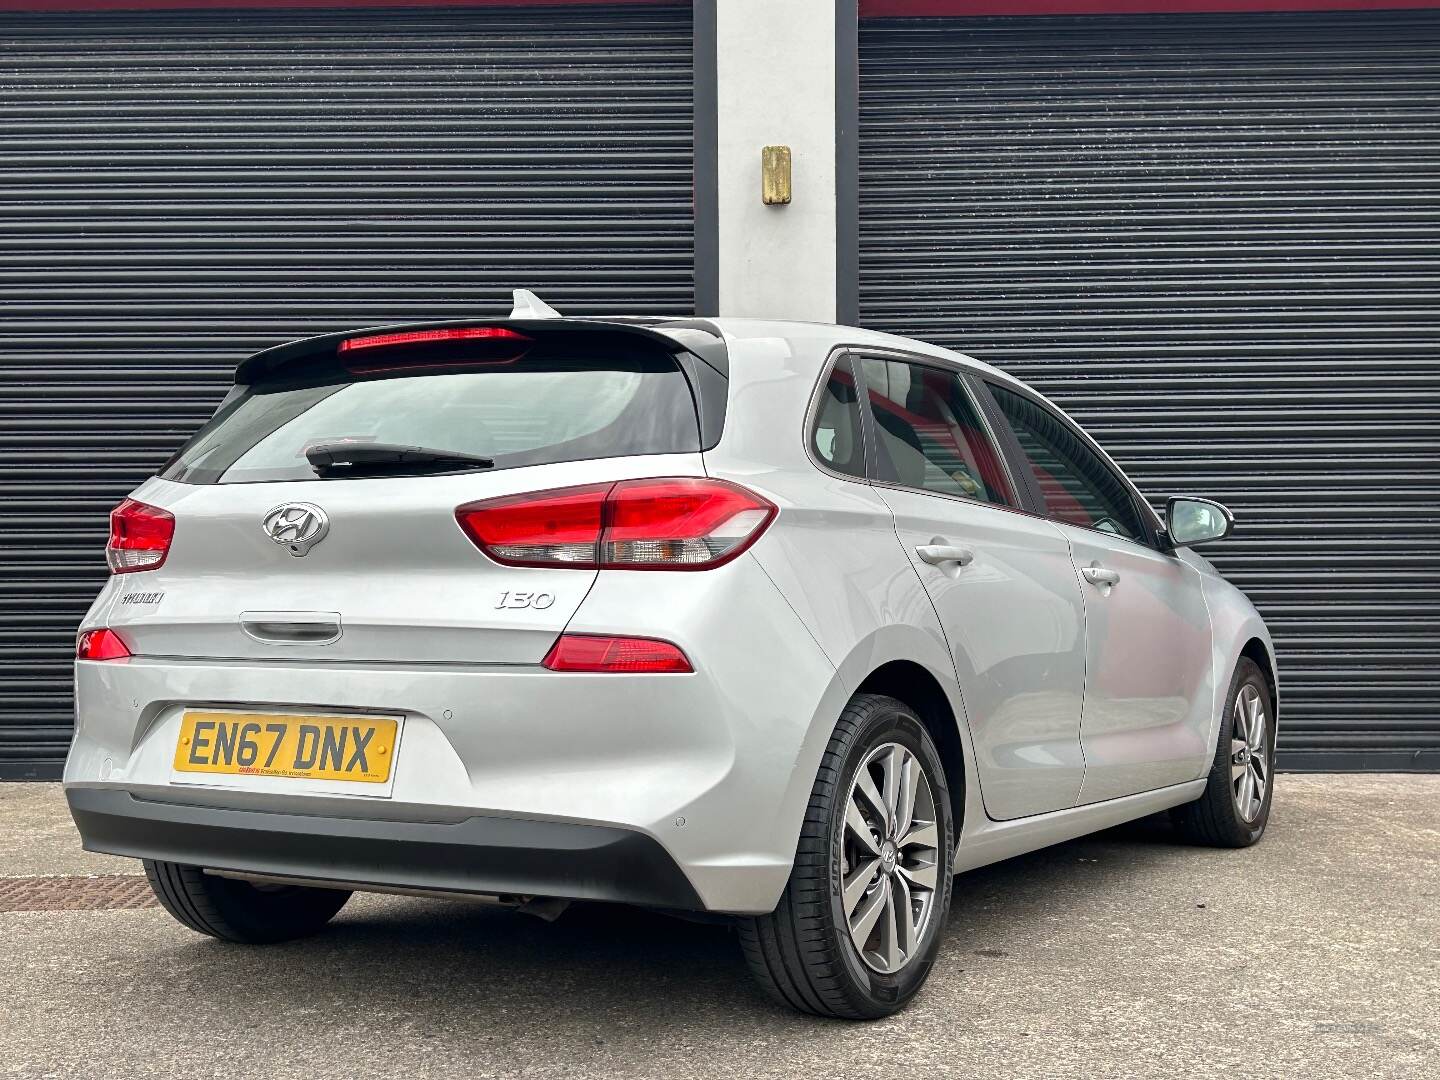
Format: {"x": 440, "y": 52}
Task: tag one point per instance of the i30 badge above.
{"x": 296, "y": 526}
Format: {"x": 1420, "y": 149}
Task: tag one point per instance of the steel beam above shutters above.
{"x": 1215, "y": 240}
{"x": 179, "y": 190}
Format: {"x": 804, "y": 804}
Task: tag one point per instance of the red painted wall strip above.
{"x": 878, "y": 8}
{"x": 223, "y": 5}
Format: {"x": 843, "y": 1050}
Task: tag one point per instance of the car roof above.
{"x": 834, "y": 335}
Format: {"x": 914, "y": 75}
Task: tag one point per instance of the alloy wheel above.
{"x": 1249, "y": 753}
{"x": 889, "y": 857}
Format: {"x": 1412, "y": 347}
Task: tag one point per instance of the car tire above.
{"x": 805, "y": 953}
{"x": 1225, "y": 815}
{"x": 239, "y": 911}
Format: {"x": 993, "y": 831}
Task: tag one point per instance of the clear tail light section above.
{"x": 680, "y": 524}
{"x": 140, "y": 537}
{"x": 622, "y": 655}
{"x": 100, "y": 645}
{"x": 671, "y": 523}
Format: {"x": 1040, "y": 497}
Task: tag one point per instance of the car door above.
{"x": 1146, "y": 717}
{"x": 1000, "y": 579}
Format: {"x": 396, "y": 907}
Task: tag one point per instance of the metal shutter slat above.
{"x": 179, "y": 191}
{"x": 1213, "y": 239}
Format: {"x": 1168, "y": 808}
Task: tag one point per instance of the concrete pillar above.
{"x": 767, "y": 74}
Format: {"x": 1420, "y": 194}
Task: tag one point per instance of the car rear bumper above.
{"x": 714, "y": 768}
{"x": 485, "y": 855}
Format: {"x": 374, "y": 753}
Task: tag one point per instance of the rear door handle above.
{"x": 940, "y": 554}
{"x": 1098, "y": 575}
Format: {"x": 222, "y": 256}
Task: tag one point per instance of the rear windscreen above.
{"x": 521, "y": 412}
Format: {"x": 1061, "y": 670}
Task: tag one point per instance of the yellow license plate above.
{"x": 358, "y": 749}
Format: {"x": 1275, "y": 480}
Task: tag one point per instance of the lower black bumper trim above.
{"x": 488, "y": 855}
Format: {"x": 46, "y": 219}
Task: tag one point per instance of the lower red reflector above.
{"x": 600, "y": 652}
{"x": 100, "y": 645}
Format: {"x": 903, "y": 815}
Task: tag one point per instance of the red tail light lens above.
{"x": 677, "y": 523}
{"x": 140, "y": 537}
{"x": 601, "y": 653}
{"x": 547, "y": 528}
{"x": 417, "y": 351}
{"x": 100, "y": 645}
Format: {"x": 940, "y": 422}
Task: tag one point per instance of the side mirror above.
{"x": 1190, "y": 521}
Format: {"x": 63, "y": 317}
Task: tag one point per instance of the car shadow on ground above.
{"x": 463, "y": 962}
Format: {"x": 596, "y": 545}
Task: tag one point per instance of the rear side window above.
{"x": 1077, "y": 485}
{"x": 522, "y": 412}
{"x": 836, "y": 438}
{"x": 929, "y": 435}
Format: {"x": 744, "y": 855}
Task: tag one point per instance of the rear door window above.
{"x": 929, "y": 435}
{"x": 523, "y": 412}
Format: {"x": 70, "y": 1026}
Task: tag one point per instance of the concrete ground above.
{"x": 1314, "y": 954}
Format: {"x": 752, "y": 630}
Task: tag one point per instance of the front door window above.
{"x": 1078, "y": 487}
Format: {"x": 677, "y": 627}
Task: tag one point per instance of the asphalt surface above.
{"x": 1314, "y": 954}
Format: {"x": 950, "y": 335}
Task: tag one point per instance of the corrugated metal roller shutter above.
{"x": 1215, "y": 240}
{"x": 179, "y": 190}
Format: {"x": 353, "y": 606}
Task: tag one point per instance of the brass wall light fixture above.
{"x": 775, "y": 175}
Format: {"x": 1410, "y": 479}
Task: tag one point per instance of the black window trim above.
{"x": 1143, "y": 511}
{"x": 976, "y": 382}
{"x": 1019, "y": 465}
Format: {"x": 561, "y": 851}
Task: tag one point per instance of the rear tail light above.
{"x": 601, "y": 653}
{"x": 548, "y": 528}
{"x": 100, "y": 645}
{"x": 140, "y": 537}
{"x": 679, "y": 523}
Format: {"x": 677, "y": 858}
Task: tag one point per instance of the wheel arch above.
{"x": 915, "y": 686}
{"x": 913, "y": 664}
{"x": 1238, "y": 631}
{"x": 1259, "y": 651}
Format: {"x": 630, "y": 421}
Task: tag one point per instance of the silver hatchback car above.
{"x": 781, "y": 621}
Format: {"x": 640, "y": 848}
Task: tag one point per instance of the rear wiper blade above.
{"x": 376, "y": 457}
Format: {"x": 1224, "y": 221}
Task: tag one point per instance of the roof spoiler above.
{"x": 673, "y": 335}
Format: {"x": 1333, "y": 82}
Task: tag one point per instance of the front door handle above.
{"x": 940, "y": 554}
{"x": 1098, "y": 575}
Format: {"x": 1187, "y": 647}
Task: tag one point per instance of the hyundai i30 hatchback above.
{"x": 784, "y": 622}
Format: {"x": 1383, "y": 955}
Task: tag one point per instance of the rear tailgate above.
{"x": 394, "y": 577}
{"x": 395, "y": 574}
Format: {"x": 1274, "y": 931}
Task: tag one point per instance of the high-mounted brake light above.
{"x": 100, "y": 645}
{"x": 620, "y": 655}
{"x": 140, "y": 537}
{"x": 675, "y": 523}
{"x": 430, "y": 337}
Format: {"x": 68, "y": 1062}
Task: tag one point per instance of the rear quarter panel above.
{"x": 833, "y": 552}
